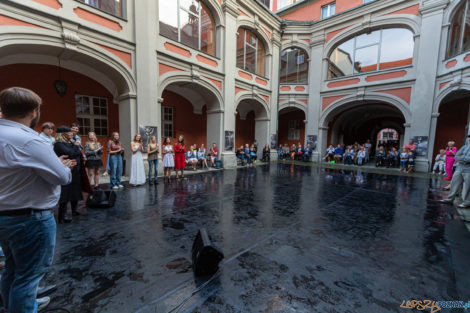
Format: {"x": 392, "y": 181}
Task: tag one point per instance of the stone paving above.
{"x": 296, "y": 239}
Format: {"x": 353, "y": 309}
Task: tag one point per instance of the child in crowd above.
{"x": 403, "y": 159}
{"x": 440, "y": 162}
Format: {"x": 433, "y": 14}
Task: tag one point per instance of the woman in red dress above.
{"x": 180, "y": 162}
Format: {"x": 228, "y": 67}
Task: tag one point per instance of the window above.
{"x": 113, "y": 7}
{"x": 459, "y": 34}
{"x": 267, "y": 3}
{"x": 328, "y": 10}
{"x": 167, "y": 122}
{"x": 294, "y": 130}
{"x": 377, "y": 50}
{"x": 189, "y": 22}
{"x": 92, "y": 114}
{"x": 251, "y": 55}
{"x": 294, "y": 66}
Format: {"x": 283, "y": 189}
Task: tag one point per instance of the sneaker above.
{"x": 462, "y": 206}
{"x": 43, "y": 303}
{"x": 446, "y": 201}
{"x": 121, "y": 186}
{"x": 115, "y": 187}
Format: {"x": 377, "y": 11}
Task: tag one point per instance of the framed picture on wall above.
{"x": 229, "y": 140}
{"x": 421, "y": 143}
{"x": 146, "y": 132}
{"x": 312, "y": 140}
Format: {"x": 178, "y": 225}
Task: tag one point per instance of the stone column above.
{"x": 274, "y": 103}
{"x": 215, "y": 119}
{"x": 229, "y": 57}
{"x": 314, "y": 109}
{"x": 127, "y": 123}
{"x": 146, "y": 34}
{"x": 426, "y": 70}
{"x": 261, "y": 134}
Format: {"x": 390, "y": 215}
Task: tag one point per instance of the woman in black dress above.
{"x": 72, "y": 192}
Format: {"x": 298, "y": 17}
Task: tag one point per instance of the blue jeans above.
{"x": 28, "y": 243}
{"x": 153, "y": 167}
{"x": 115, "y": 164}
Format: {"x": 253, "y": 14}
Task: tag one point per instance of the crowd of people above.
{"x": 248, "y": 155}
{"x": 295, "y": 152}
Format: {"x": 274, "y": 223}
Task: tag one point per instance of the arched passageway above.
{"x": 359, "y": 122}
{"x": 251, "y": 124}
{"x": 291, "y": 123}
{"x": 191, "y": 110}
{"x": 453, "y": 120}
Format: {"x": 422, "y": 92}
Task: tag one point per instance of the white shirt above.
{"x": 49, "y": 139}
{"x": 30, "y": 171}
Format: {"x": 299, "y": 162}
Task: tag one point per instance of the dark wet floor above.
{"x": 296, "y": 239}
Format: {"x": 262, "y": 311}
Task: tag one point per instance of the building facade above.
{"x": 233, "y": 71}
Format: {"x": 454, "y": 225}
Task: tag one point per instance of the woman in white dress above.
{"x": 137, "y": 175}
{"x": 168, "y": 159}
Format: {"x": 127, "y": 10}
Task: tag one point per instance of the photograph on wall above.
{"x": 229, "y": 140}
{"x": 146, "y": 132}
{"x": 421, "y": 143}
{"x": 273, "y": 141}
{"x": 312, "y": 140}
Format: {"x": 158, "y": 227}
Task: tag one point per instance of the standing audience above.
{"x": 137, "y": 174}
{"x": 168, "y": 160}
{"x": 46, "y": 132}
{"x": 450, "y": 159}
{"x": 72, "y": 192}
{"x": 93, "y": 152}
{"x": 153, "y": 149}
{"x": 115, "y": 152}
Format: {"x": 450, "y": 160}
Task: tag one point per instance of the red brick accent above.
{"x": 285, "y": 88}
{"x": 306, "y": 40}
{"x": 385, "y": 76}
{"x": 9, "y": 21}
{"x": 172, "y": 48}
{"x": 266, "y": 98}
{"x": 442, "y": 85}
{"x": 50, "y": 3}
{"x": 342, "y": 83}
{"x": 205, "y": 60}
{"x": 238, "y": 89}
{"x": 217, "y": 83}
{"x": 402, "y": 93}
{"x": 451, "y": 64}
{"x": 304, "y": 101}
{"x": 266, "y": 31}
{"x": 326, "y": 101}
{"x": 163, "y": 68}
{"x": 245, "y": 75}
{"x": 94, "y": 18}
{"x": 332, "y": 34}
{"x": 242, "y": 13}
{"x": 299, "y": 88}
{"x": 414, "y": 10}
{"x": 261, "y": 81}
{"x": 125, "y": 56}
{"x": 467, "y": 58}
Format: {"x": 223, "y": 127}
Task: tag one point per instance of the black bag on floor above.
{"x": 101, "y": 199}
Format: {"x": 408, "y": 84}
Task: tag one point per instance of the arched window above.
{"x": 459, "y": 35}
{"x": 377, "y": 50}
{"x": 251, "y": 55}
{"x": 189, "y": 22}
{"x": 294, "y": 66}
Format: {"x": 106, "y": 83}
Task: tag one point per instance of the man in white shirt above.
{"x": 30, "y": 176}
{"x": 46, "y": 132}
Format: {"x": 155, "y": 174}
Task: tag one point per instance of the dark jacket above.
{"x": 72, "y": 191}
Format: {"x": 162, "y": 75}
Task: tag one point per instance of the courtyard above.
{"x": 295, "y": 238}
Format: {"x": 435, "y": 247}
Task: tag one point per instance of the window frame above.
{"x": 297, "y": 127}
{"x": 179, "y": 8}
{"x": 328, "y": 5}
{"x": 462, "y": 31}
{"x": 123, "y": 9}
{"x": 379, "y": 52}
{"x": 298, "y": 66}
{"x": 91, "y": 116}
{"x": 168, "y": 122}
{"x": 245, "y": 43}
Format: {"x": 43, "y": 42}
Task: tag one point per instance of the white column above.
{"x": 127, "y": 123}
{"x": 274, "y": 103}
{"x": 215, "y": 129}
{"x": 229, "y": 53}
{"x": 426, "y": 70}
{"x": 314, "y": 109}
{"x": 261, "y": 134}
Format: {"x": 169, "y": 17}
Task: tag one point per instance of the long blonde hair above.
{"x": 61, "y": 137}
{"x": 92, "y": 142}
